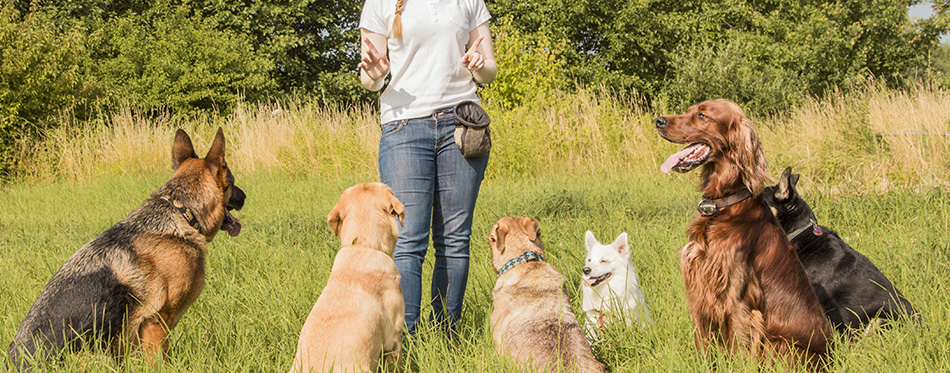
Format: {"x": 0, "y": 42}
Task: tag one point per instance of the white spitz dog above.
{"x": 610, "y": 286}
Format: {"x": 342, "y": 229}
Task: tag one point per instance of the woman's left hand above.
{"x": 473, "y": 60}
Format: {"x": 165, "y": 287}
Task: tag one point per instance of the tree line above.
{"x": 66, "y": 59}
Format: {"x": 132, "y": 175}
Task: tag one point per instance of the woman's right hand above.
{"x": 373, "y": 63}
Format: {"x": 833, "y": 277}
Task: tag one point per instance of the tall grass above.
{"x": 574, "y": 161}
{"x": 262, "y": 284}
{"x": 864, "y": 141}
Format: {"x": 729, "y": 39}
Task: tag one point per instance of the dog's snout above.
{"x": 660, "y": 122}
{"x": 586, "y": 270}
{"x": 237, "y": 198}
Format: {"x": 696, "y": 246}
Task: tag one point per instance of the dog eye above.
{"x": 700, "y": 115}
{"x": 603, "y": 261}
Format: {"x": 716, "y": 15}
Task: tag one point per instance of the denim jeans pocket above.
{"x": 392, "y": 127}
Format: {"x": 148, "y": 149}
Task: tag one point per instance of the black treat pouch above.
{"x": 471, "y": 129}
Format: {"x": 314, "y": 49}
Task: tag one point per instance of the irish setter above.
{"x": 745, "y": 286}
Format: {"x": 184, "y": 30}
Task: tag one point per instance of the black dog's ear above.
{"x": 794, "y": 181}
{"x": 783, "y": 192}
{"x": 182, "y": 149}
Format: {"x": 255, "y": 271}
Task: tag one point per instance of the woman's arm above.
{"x": 480, "y": 58}
{"x": 374, "y": 65}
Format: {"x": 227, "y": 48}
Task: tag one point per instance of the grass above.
{"x": 572, "y": 161}
{"x": 262, "y": 284}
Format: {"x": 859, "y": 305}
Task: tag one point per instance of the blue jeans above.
{"x": 419, "y": 160}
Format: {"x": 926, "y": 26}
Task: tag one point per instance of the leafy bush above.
{"x": 529, "y": 65}
{"x": 177, "y": 61}
{"x": 644, "y": 45}
{"x": 41, "y": 75}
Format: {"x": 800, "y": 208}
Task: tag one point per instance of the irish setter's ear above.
{"x": 746, "y": 151}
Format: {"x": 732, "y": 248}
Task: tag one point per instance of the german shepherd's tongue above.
{"x": 234, "y": 223}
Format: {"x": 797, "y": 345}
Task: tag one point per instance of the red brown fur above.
{"x": 745, "y": 286}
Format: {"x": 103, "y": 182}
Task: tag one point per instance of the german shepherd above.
{"x": 851, "y": 289}
{"x": 130, "y": 286}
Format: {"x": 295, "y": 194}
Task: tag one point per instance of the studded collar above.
{"x": 184, "y": 211}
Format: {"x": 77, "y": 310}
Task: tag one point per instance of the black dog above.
{"x": 850, "y": 288}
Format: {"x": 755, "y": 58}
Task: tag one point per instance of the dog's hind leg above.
{"x": 154, "y": 338}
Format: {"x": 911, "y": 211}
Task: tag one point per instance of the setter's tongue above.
{"x": 675, "y": 159}
{"x": 687, "y": 159}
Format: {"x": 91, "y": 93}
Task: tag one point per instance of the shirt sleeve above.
{"x": 372, "y": 17}
{"x": 479, "y": 14}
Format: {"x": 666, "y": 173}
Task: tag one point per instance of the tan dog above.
{"x": 359, "y": 315}
{"x": 532, "y": 321}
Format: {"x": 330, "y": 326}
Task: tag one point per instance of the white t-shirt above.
{"x": 425, "y": 63}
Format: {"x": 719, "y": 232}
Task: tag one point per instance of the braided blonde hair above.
{"x": 397, "y": 20}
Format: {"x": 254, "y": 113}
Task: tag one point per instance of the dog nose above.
{"x": 586, "y": 270}
{"x": 660, "y": 122}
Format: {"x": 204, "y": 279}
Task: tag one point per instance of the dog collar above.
{"x": 530, "y": 256}
{"x": 709, "y": 207}
{"x": 185, "y": 212}
{"x": 813, "y": 225}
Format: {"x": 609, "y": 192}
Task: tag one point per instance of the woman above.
{"x": 435, "y": 48}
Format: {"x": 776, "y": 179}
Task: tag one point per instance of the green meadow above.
{"x": 574, "y": 162}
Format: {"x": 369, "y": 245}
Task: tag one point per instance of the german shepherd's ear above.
{"x": 783, "y": 192}
{"x": 334, "y": 218}
{"x": 182, "y": 149}
{"x": 215, "y": 157}
{"x": 531, "y": 228}
{"x": 396, "y": 208}
{"x": 497, "y": 237}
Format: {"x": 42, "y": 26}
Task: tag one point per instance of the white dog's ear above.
{"x": 589, "y": 240}
{"x": 621, "y": 245}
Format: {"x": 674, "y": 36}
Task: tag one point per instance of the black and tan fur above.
{"x": 532, "y": 321}
{"x": 129, "y": 286}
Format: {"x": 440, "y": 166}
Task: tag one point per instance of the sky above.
{"x": 924, "y": 10}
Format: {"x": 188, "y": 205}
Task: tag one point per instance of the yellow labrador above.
{"x": 532, "y": 321}
{"x": 359, "y": 315}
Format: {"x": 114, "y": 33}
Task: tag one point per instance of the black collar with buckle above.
{"x": 709, "y": 207}
{"x": 815, "y": 229}
{"x": 530, "y": 256}
{"x": 185, "y": 212}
